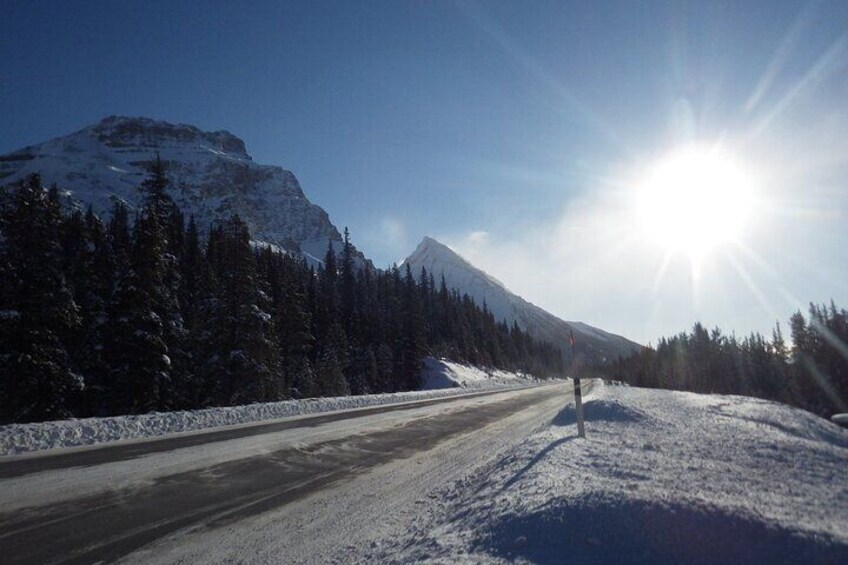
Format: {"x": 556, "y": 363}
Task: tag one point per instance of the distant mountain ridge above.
{"x": 212, "y": 176}
{"x": 460, "y": 274}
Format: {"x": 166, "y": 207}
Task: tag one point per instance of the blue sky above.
{"x": 513, "y": 131}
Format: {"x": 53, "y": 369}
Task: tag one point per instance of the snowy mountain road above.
{"x": 321, "y": 480}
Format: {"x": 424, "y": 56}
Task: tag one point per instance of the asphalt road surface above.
{"x": 118, "y": 499}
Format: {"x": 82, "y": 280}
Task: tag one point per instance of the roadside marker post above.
{"x": 578, "y": 395}
{"x": 578, "y": 400}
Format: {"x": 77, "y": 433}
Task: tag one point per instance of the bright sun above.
{"x": 694, "y": 200}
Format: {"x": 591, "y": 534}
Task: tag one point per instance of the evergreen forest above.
{"x": 811, "y": 373}
{"x": 150, "y": 312}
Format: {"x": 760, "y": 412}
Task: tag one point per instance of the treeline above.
{"x": 147, "y": 313}
{"x": 811, "y": 374}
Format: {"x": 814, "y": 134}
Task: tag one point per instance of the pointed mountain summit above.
{"x": 440, "y": 260}
{"x": 212, "y": 177}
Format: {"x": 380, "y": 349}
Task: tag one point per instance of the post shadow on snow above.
{"x": 630, "y": 532}
{"x": 538, "y": 457}
{"x": 593, "y": 411}
{"x": 598, "y": 410}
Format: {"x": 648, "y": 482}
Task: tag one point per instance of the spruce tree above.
{"x": 385, "y": 359}
{"x": 332, "y": 381}
{"x": 146, "y": 344}
{"x": 348, "y": 286}
{"x": 241, "y": 355}
{"x": 136, "y": 351}
{"x": 37, "y": 309}
{"x": 412, "y": 341}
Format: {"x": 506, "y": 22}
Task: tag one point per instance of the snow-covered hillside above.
{"x": 662, "y": 477}
{"x": 441, "y": 373}
{"x": 212, "y": 177}
{"x": 440, "y": 260}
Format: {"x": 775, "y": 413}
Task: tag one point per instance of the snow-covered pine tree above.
{"x": 412, "y": 346}
{"x": 136, "y": 351}
{"x": 347, "y": 291}
{"x": 363, "y": 371}
{"x": 385, "y": 368}
{"x": 292, "y": 321}
{"x": 332, "y": 380}
{"x": 163, "y": 216}
{"x": 197, "y": 288}
{"x": 145, "y": 347}
{"x": 36, "y": 310}
{"x": 89, "y": 274}
{"x": 241, "y": 355}
{"x": 93, "y": 295}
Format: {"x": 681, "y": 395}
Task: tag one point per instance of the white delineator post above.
{"x": 578, "y": 395}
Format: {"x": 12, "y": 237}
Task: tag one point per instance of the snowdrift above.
{"x": 441, "y": 378}
{"x": 662, "y": 477}
{"x": 441, "y": 373}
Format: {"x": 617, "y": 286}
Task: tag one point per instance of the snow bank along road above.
{"x": 304, "y": 489}
{"x": 662, "y": 477}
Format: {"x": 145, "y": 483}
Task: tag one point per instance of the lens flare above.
{"x": 694, "y": 200}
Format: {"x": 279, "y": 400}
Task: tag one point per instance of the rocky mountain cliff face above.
{"x": 590, "y": 342}
{"x": 212, "y": 178}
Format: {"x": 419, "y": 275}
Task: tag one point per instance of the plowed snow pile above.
{"x": 441, "y": 378}
{"x": 662, "y": 477}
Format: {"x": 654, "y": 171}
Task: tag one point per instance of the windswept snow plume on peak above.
{"x": 440, "y": 260}
{"x": 212, "y": 177}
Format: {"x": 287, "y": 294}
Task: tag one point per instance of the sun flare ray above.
{"x": 755, "y": 289}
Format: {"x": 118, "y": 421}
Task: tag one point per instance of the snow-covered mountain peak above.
{"x": 441, "y": 261}
{"x": 212, "y": 177}
{"x": 433, "y": 252}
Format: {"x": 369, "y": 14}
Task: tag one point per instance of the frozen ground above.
{"x": 441, "y": 378}
{"x": 663, "y": 477}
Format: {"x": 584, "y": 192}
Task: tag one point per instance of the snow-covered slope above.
{"x": 442, "y": 373}
{"x": 212, "y": 177}
{"x": 440, "y": 260}
{"x": 661, "y": 477}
